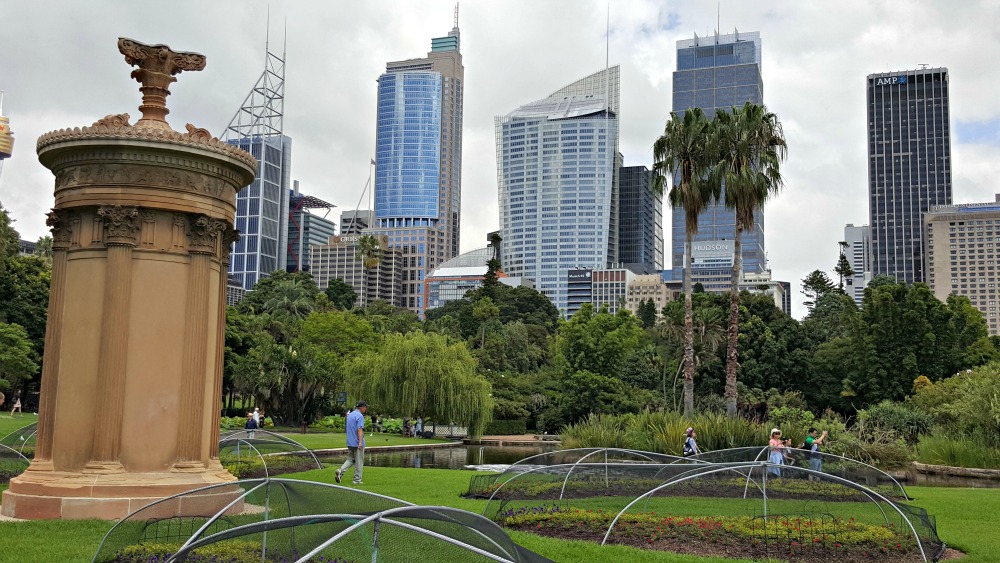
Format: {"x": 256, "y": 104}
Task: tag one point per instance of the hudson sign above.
{"x": 890, "y": 80}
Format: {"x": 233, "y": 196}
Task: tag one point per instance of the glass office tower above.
{"x": 418, "y": 161}
{"x": 640, "y": 222}
{"x": 262, "y": 211}
{"x": 909, "y": 165}
{"x": 557, "y": 172}
{"x": 716, "y": 73}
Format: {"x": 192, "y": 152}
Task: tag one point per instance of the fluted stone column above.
{"x": 131, "y": 389}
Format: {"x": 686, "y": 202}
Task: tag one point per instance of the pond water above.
{"x": 485, "y": 458}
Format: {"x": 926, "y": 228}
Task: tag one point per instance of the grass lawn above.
{"x": 332, "y": 440}
{"x": 8, "y": 424}
{"x": 966, "y": 520}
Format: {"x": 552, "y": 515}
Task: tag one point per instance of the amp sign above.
{"x": 890, "y": 80}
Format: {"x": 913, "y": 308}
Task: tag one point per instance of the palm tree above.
{"x": 43, "y": 249}
{"x": 684, "y": 151}
{"x": 290, "y": 301}
{"x": 751, "y": 147}
{"x": 369, "y": 253}
{"x": 709, "y": 334}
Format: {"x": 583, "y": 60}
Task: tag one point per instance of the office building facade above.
{"x": 453, "y": 279}
{"x": 306, "y": 227}
{"x": 648, "y": 287}
{"x": 715, "y": 73}
{"x": 962, "y": 255}
{"x": 355, "y": 221}
{"x": 640, "y": 221}
{"x": 909, "y": 165}
{"x": 557, "y": 173}
{"x": 858, "y": 253}
{"x": 339, "y": 259}
{"x": 418, "y": 161}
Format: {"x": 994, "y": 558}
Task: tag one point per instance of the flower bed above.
{"x": 252, "y": 467}
{"x": 802, "y": 537}
{"x": 228, "y": 552}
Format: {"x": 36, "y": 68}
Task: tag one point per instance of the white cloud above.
{"x": 67, "y": 72}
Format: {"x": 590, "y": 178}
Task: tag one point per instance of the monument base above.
{"x": 46, "y": 495}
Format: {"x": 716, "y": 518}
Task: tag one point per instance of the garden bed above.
{"x": 813, "y": 537}
{"x": 596, "y": 486}
{"x": 228, "y": 552}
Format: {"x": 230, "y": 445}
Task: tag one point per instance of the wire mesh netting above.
{"x": 12, "y": 463}
{"x": 715, "y": 504}
{"x": 251, "y": 454}
{"x": 22, "y": 439}
{"x": 302, "y": 521}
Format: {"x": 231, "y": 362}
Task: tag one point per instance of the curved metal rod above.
{"x": 260, "y": 455}
{"x": 826, "y": 455}
{"x": 219, "y": 514}
{"x": 241, "y": 483}
{"x": 25, "y": 442}
{"x": 605, "y": 450}
{"x": 749, "y": 480}
{"x": 764, "y": 465}
{"x": 381, "y": 515}
{"x": 539, "y": 468}
{"x": 279, "y": 439}
{"x": 19, "y": 454}
{"x": 33, "y": 426}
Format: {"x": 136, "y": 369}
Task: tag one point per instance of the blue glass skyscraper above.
{"x": 418, "y": 161}
{"x": 557, "y": 173}
{"x": 716, "y": 73}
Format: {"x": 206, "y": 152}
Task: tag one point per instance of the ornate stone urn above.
{"x": 132, "y": 376}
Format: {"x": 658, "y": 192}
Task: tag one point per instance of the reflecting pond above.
{"x": 456, "y": 457}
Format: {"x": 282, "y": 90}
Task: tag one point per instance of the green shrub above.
{"x": 957, "y": 452}
{"x": 663, "y": 432}
{"x": 506, "y": 428}
{"x": 966, "y": 404}
{"x": 392, "y": 425}
{"x": 334, "y": 423}
{"x": 881, "y": 448}
{"x": 908, "y": 422}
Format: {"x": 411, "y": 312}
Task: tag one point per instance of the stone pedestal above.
{"x": 132, "y": 378}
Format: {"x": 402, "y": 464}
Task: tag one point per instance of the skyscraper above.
{"x": 557, "y": 172}
{"x": 909, "y": 165}
{"x": 640, "y": 221}
{"x": 716, "y": 73}
{"x": 858, "y": 252}
{"x": 418, "y": 160}
{"x": 262, "y": 207}
{"x": 306, "y": 228}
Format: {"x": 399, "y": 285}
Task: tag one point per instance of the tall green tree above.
{"x": 423, "y": 374}
{"x": 369, "y": 253}
{"x": 751, "y": 148}
{"x": 341, "y": 294}
{"x": 265, "y": 289}
{"x": 684, "y": 152}
{"x": 647, "y": 313}
{"x": 485, "y": 311}
{"x": 843, "y": 269}
{"x": 17, "y": 358}
{"x": 24, "y": 295}
{"x": 816, "y": 285}
{"x": 10, "y": 239}
{"x": 291, "y": 301}
{"x": 597, "y": 342}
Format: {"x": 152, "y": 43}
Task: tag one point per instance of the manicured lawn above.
{"x": 8, "y": 424}
{"x": 966, "y": 520}
{"x": 332, "y": 440}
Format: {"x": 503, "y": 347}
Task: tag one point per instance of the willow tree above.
{"x": 423, "y": 374}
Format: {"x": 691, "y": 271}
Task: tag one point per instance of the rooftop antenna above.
{"x": 923, "y": 66}
{"x": 456, "y": 15}
{"x": 607, "y": 61}
{"x": 718, "y": 16}
{"x": 1, "y": 102}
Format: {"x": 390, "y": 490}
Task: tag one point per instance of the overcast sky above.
{"x": 60, "y": 67}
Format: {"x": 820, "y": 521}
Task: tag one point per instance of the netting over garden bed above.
{"x": 259, "y": 453}
{"x": 265, "y": 520}
{"x": 12, "y": 463}
{"x": 22, "y": 439}
{"x": 714, "y": 504}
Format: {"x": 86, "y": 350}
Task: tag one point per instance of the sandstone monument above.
{"x": 132, "y": 377}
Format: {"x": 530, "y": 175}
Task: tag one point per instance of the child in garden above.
{"x": 690, "y": 445}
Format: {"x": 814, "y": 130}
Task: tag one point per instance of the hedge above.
{"x": 506, "y": 428}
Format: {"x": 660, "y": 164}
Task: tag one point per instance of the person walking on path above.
{"x": 250, "y": 426}
{"x": 355, "y": 428}
{"x": 17, "y": 406}
{"x": 690, "y": 445}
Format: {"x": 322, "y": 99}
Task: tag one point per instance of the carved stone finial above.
{"x": 157, "y": 66}
{"x": 203, "y": 233}
{"x": 58, "y": 221}
{"x": 198, "y": 133}
{"x": 118, "y": 120}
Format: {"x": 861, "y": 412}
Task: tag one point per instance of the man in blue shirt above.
{"x": 355, "y": 428}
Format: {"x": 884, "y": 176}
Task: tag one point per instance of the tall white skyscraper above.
{"x": 557, "y": 172}
{"x": 858, "y": 252}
